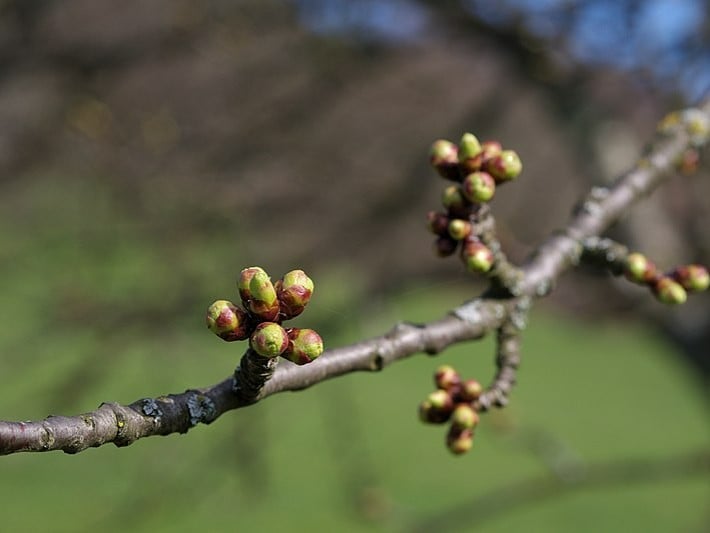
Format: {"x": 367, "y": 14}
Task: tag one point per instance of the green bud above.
{"x": 479, "y": 187}
{"x": 459, "y": 441}
{"x": 639, "y": 269}
{"x": 489, "y": 150}
{"x": 438, "y": 223}
{"x": 453, "y": 200}
{"x": 469, "y": 391}
{"x": 245, "y": 277}
{"x": 446, "y": 378}
{"x": 227, "y": 321}
{"x": 304, "y": 346}
{"x": 431, "y": 415}
{"x": 445, "y": 246}
{"x": 477, "y": 256}
{"x": 464, "y": 417}
{"x": 269, "y": 339}
{"x": 294, "y": 292}
{"x": 469, "y": 147}
{"x": 441, "y": 400}
{"x": 459, "y": 229}
{"x": 443, "y": 156}
{"x": 505, "y": 166}
{"x": 669, "y": 291}
{"x": 264, "y": 303}
{"x": 693, "y": 278}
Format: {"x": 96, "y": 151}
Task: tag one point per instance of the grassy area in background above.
{"x": 112, "y": 312}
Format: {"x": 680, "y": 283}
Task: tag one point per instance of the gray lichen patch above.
{"x": 151, "y": 408}
{"x": 201, "y": 408}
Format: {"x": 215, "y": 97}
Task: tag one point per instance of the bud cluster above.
{"x": 264, "y": 306}
{"x": 670, "y": 287}
{"x": 477, "y": 168}
{"x": 453, "y": 401}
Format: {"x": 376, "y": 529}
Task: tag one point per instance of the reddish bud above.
{"x": 459, "y": 229}
{"x": 479, "y": 187}
{"x": 459, "y": 441}
{"x": 269, "y": 339}
{"x": 464, "y": 417}
{"x": 639, "y": 269}
{"x": 669, "y": 291}
{"x": 443, "y": 156}
{"x": 470, "y": 390}
{"x": 453, "y": 199}
{"x": 445, "y": 246}
{"x": 227, "y": 321}
{"x": 304, "y": 346}
{"x": 438, "y": 223}
{"x": 294, "y": 292}
{"x": 477, "y": 256}
{"x": 505, "y": 166}
{"x": 693, "y": 278}
{"x": 431, "y": 415}
{"x": 446, "y": 378}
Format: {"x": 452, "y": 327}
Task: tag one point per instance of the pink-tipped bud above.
{"x": 459, "y": 229}
{"x": 469, "y": 391}
{"x": 505, "y": 166}
{"x": 459, "y": 441}
{"x": 269, "y": 339}
{"x": 438, "y": 223}
{"x": 464, "y": 417}
{"x": 669, "y": 291}
{"x": 443, "y": 156}
{"x": 227, "y": 321}
{"x": 294, "y": 292}
{"x": 479, "y": 187}
{"x": 304, "y": 346}
{"x": 639, "y": 269}
{"x": 446, "y": 378}
{"x": 477, "y": 257}
{"x": 693, "y": 278}
{"x": 445, "y": 246}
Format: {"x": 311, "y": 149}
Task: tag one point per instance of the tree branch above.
{"x": 177, "y": 413}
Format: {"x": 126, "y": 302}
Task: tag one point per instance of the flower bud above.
{"x": 269, "y": 339}
{"x": 453, "y": 200}
{"x": 245, "y": 277}
{"x": 469, "y": 150}
{"x": 441, "y": 400}
{"x": 445, "y": 246}
{"x": 294, "y": 292}
{"x": 469, "y": 391}
{"x": 669, "y": 291}
{"x": 263, "y": 303}
{"x": 639, "y": 269}
{"x": 438, "y": 223}
{"x": 431, "y": 415}
{"x": 505, "y": 166}
{"x": 304, "y": 346}
{"x": 693, "y": 278}
{"x": 227, "y": 321}
{"x": 489, "y": 150}
{"x": 459, "y": 441}
{"x": 464, "y": 417}
{"x": 443, "y": 156}
{"x": 477, "y": 256}
{"x": 446, "y": 378}
{"x": 459, "y": 229}
{"x": 479, "y": 187}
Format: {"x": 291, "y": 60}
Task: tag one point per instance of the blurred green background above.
{"x": 150, "y": 151}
